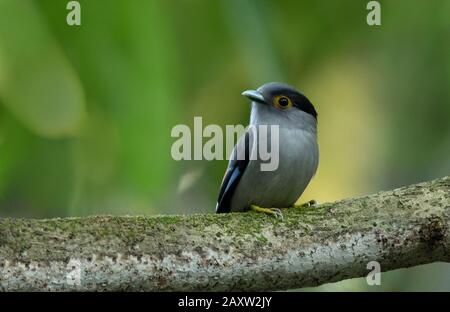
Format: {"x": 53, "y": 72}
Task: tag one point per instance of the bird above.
{"x": 245, "y": 186}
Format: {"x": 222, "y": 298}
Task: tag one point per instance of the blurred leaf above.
{"x": 37, "y": 83}
{"x": 13, "y": 143}
{"x": 95, "y": 162}
{"x": 153, "y": 98}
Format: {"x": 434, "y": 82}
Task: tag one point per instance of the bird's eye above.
{"x": 283, "y": 102}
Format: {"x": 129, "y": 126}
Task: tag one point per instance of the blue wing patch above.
{"x": 236, "y": 169}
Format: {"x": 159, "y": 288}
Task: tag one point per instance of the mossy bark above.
{"x": 237, "y": 251}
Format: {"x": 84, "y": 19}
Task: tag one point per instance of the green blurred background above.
{"x": 86, "y": 111}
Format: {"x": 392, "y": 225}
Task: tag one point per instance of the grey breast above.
{"x": 298, "y": 161}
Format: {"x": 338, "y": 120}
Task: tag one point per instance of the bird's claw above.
{"x": 310, "y": 203}
{"x": 270, "y": 211}
{"x": 277, "y": 213}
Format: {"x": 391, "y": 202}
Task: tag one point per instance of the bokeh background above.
{"x": 86, "y": 111}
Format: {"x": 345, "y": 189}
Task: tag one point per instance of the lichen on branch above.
{"x": 237, "y": 251}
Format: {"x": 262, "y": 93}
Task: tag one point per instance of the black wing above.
{"x": 235, "y": 170}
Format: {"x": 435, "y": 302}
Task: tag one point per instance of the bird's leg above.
{"x": 310, "y": 203}
{"x": 270, "y": 211}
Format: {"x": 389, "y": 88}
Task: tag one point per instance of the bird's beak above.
{"x": 254, "y": 96}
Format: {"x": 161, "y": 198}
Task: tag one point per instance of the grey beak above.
{"x": 254, "y": 96}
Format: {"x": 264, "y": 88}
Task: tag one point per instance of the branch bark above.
{"x": 240, "y": 251}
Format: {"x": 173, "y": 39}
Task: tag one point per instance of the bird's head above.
{"x": 280, "y": 103}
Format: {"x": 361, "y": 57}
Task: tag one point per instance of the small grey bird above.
{"x": 245, "y": 186}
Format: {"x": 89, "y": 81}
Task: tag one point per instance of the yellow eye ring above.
{"x": 282, "y": 102}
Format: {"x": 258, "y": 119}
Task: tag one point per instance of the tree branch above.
{"x": 241, "y": 251}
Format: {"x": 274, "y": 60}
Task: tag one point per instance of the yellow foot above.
{"x": 270, "y": 211}
{"x": 310, "y": 203}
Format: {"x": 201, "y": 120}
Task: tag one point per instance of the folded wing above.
{"x": 236, "y": 168}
